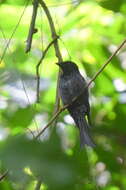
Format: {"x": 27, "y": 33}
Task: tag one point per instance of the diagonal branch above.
{"x": 107, "y": 62}
{"x": 52, "y": 120}
{"x": 4, "y": 175}
{"x": 40, "y": 62}
{"x": 93, "y": 79}
{"x": 14, "y": 31}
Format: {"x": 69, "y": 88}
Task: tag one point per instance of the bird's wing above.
{"x": 76, "y": 88}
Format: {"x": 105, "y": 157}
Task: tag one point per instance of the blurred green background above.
{"x": 89, "y": 32}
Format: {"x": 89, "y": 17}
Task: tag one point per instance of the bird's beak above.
{"x": 60, "y": 65}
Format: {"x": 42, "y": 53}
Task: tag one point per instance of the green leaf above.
{"x": 20, "y": 118}
{"x": 113, "y": 5}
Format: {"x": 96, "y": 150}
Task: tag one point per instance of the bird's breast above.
{"x": 70, "y": 87}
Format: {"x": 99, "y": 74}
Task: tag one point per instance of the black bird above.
{"x": 71, "y": 86}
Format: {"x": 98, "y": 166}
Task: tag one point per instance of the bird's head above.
{"x": 68, "y": 67}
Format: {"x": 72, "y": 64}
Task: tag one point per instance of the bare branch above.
{"x": 53, "y": 30}
{"x": 107, "y": 62}
{"x": 39, "y": 63}
{"x": 56, "y": 47}
{"x": 8, "y": 43}
{"x": 32, "y": 26}
{"x": 51, "y": 121}
{"x": 96, "y": 75}
{"x": 4, "y": 175}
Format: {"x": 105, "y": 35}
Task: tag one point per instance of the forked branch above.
{"x": 39, "y": 63}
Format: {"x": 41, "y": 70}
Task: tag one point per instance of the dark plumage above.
{"x": 71, "y": 85}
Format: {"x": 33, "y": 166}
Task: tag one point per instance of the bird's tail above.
{"x": 84, "y": 131}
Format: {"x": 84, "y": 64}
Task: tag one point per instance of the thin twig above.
{"x": 53, "y": 30}
{"x": 39, "y": 63}
{"x": 64, "y": 4}
{"x": 22, "y": 82}
{"x": 8, "y": 43}
{"x": 4, "y": 175}
{"x": 95, "y": 76}
{"x": 27, "y": 97}
{"x": 32, "y": 26}
{"x": 107, "y": 62}
{"x": 32, "y": 133}
{"x": 51, "y": 121}
{"x": 56, "y": 47}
